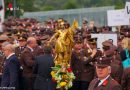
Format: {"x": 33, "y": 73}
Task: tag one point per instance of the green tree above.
{"x": 70, "y": 5}
{"x": 119, "y": 4}
{"x": 41, "y": 5}
{"x": 27, "y": 5}
{"x": 47, "y": 8}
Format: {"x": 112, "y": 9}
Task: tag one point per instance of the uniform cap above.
{"x": 103, "y": 62}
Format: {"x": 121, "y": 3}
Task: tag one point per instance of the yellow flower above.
{"x": 62, "y": 84}
{"x": 64, "y": 77}
{"x": 52, "y": 73}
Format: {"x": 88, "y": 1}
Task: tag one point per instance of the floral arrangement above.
{"x": 63, "y": 76}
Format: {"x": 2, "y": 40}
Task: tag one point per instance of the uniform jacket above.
{"x": 117, "y": 68}
{"x": 27, "y": 61}
{"x": 109, "y": 84}
{"x": 82, "y": 71}
{"x": 125, "y": 82}
{"x": 18, "y": 51}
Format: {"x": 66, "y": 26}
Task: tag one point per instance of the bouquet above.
{"x": 63, "y": 76}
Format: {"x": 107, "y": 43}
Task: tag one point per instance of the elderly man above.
{"x": 104, "y": 80}
{"x": 27, "y": 60}
{"x": 109, "y": 50}
{"x": 11, "y": 68}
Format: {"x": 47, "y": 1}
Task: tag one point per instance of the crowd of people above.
{"x": 26, "y": 58}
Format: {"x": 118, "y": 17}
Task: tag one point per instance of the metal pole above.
{"x": 14, "y": 8}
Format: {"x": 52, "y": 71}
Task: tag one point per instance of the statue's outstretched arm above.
{"x": 54, "y": 36}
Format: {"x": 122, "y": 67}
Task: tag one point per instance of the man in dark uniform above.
{"x": 82, "y": 65}
{"x": 125, "y": 82}
{"x": 92, "y": 51}
{"x": 109, "y": 50}
{"x": 21, "y": 47}
{"x": 43, "y": 69}
{"x": 84, "y": 73}
{"x": 27, "y": 60}
{"x": 18, "y": 51}
{"x": 104, "y": 80}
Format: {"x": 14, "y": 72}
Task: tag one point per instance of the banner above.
{"x": 103, "y": 37}
{"x": 117, "y": 17}
{"x": 127, "y": 9}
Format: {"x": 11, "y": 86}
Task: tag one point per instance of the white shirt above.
{"x": 10, "y": 55}
{"x": 101, "y": 81}
{"x": 30, "y": 48}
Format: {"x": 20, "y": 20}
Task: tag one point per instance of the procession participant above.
{"x": 104, "y": 80}
{"x": 27, "y": 61}
{"x": 84, "y": 73}
{"x": 125, "y": 82}
{"x": 42, "y": 70}
{"x": 109, "y": 50}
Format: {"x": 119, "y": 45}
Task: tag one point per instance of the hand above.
{"x": 94, "y": 51}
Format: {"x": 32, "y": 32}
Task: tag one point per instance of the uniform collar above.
{"x": 103, "y": 80}
{"x": 30, "y": 48}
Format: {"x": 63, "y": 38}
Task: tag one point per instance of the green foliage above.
{"x": 70, "y": 5}
{"x": 120, "y": 4}
{"x": 46, "y": 5}
{"x": 18, "y": 10}
{"x": 27, "y": 5}
{"x": 8, "y": 12}
{"x": 47, "y": 8}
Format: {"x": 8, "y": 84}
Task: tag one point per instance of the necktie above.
{"x": 97, "y": 83}
{"x": 21, "y": 48}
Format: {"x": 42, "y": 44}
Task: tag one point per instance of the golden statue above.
{"x": 64, "y": 42}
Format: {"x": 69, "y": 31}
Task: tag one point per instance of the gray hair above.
{"x": 9, "y": 47}
{"x": 4, "y": 44}
{"x": 30, "y": 40}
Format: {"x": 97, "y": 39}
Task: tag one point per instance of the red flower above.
{"x": 10, "y": 5}
{"x": 105, "y": 83}
{"x": 69, "y": 70}
{"x": 53, "y": 80}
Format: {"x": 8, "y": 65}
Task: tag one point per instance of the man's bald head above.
{"x": 31, "y": 39}
{"x": 31, "y": 42}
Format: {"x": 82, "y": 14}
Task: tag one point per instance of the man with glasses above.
{"x": 104, "y": 81}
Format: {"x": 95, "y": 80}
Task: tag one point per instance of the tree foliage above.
{"x": 70, "y": 5}
{"x": 45, "y": 5}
